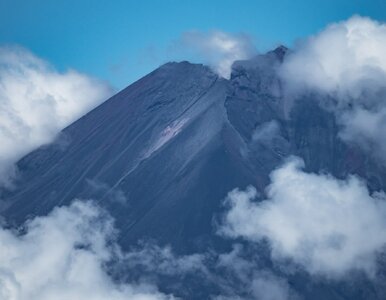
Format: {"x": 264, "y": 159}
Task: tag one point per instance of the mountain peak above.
{"x": 184, "y": 65}
{"x": 279, "y": 52}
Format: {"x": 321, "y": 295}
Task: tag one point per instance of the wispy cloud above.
{"x": 247, "y": 279}
{"x": 218, "y": 49}
{"x": 36, "y": 102}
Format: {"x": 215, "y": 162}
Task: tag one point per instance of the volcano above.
{"x": 161, "y": 156}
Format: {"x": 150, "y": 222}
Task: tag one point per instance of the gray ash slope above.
{"x": 162, "y": 154}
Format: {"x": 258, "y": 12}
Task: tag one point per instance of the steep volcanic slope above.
{"x": 162, "y": 154}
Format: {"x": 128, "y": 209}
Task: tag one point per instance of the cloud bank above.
{"x": 219, "y": 49}
{"x": 36, "y": 102}
{"x": 64, "y": 256}
{"x": 327, "y": 226}
{"x": 72, "y": 253}
{"x": 345, "y": 64}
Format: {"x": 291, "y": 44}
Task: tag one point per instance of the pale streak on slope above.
{"x": 166, "y": 135}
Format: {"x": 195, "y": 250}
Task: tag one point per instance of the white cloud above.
{"x": 326, "y": 225}
{"x": 266, "y": 286}
{"x": 63, "y": 256}
{"x": 36, "y": 102}
{"x": 365, "y": 128}
{"x": 263, "y": 286}
{"x": 343, "y": 59}
{"x": 266, "y": 132}
{"x": 255, "y": 281}
{"x": 161, "y": 260}
{"x": 219, "y": 49}
{"x": 346, "y": 62}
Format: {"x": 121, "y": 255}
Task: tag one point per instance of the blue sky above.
{"x": 120, "y": 41}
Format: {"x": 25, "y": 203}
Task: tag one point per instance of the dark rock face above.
{"x": 162, "y": 154}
